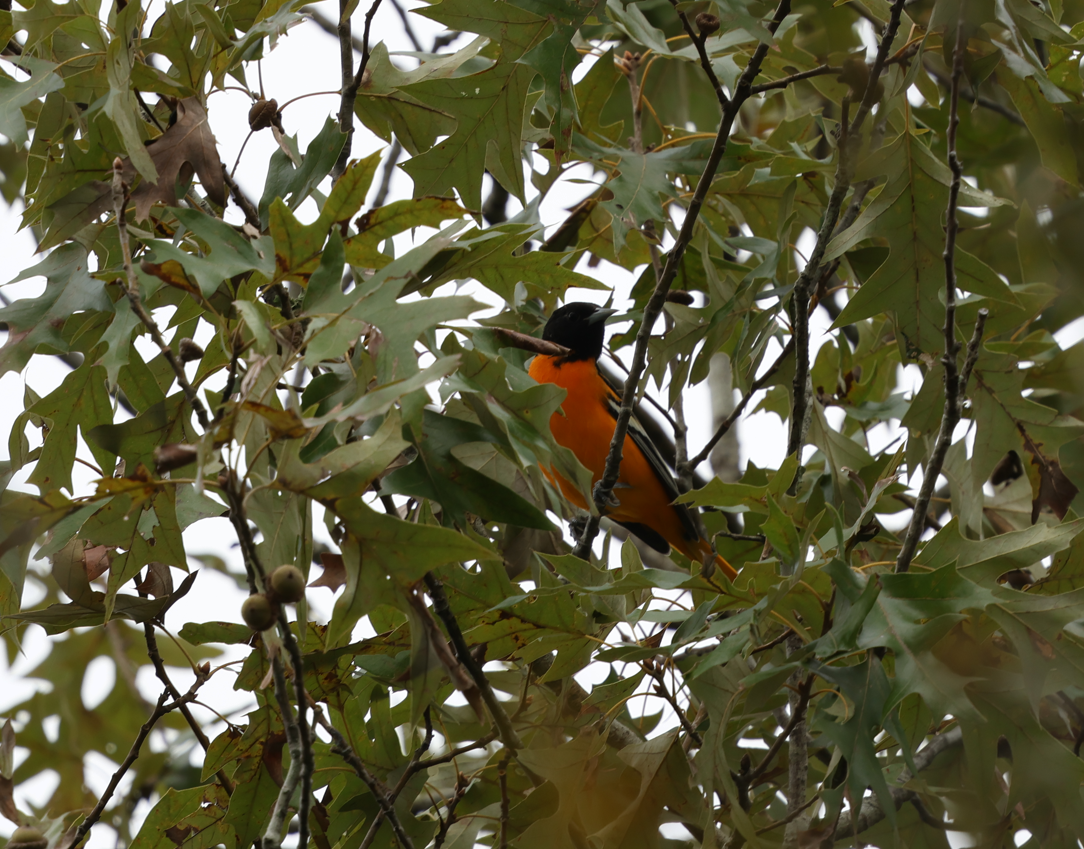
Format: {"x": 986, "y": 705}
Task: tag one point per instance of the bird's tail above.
{"x": 699, "y": 551}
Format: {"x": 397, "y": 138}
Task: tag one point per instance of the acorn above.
{"x": 287, "y": 584}
{"x": 189, "y": 351}
{"x": 258, "y": 612}
{"x": 707, "y": 23}
{"x": 27, "y": 837}
{"x": 263, "y": 114}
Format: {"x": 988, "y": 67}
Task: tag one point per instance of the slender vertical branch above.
{"x": 131, "y": 289}
{"x": 272, "y": 838}
{"x": 604, "y": 489}
{"x": 351, "y": 81}
{"x": 500, "y": 718}
{"x": 502, "y": 778}
{"x": 954, "y": 385}
{"x": 342, "y": 748}
{"x": 849, "y": 143}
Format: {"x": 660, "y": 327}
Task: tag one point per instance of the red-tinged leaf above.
{"x": 334, "y": 574}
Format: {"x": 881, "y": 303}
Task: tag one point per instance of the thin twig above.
{"x": 735, "y": 414}
{"x": 405, "y": 18}
{"x": 160, "y": 671}
{"x": 849, "y": 142}
{"x": 394, "y": 151}
{"x": 131, "y": 289}
{"x": 160, "y": 710}
{"x": 797, "y": 715}
{"x": 819, "y": 71}
{"x": 953, "y": 388}
{"x": 978, "y": 99}
{"x": 699, "y": 41}
{"x": 506, "y": 732}
{"x": 502, "y": 778}
{"x": 351, "y": 81}
{"x": 604, "y": 489}
{"x": 343, "y": 749}
{"x": 663, "y": 691}
{"x": 252, "y": 215}
{"x": 871, "y": 811}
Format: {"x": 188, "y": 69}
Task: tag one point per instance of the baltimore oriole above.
{"x": 645, "y": 490}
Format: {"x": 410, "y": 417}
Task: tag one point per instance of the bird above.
{"x": 643, "y": 499}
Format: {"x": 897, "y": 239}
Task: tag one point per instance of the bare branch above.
{"x": 160, "y": 671}
{"x": 953, "y": 382}
{"x": 699, "y": 41}
{"x": 342, "y": 748}
{"x": 735, "y": 414}
{"x": 131, "y": 289}
{"x": 252, "y": 215}
{"x": 849, "y": 142}
{"x": 604, "y": 488}
{"x": 506, "y": 732}
{"x": 351, "y": 81}
{"x": 160, "y": 710}
{"x": 819, "y": 71}
{"x": 871, "y": 811}
{"x": 272, "y": 838}
{"x": 797, "y": 715}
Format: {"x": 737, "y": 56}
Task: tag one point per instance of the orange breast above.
{"x": 585, "y": 426}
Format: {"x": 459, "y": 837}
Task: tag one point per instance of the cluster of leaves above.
{"x": 818, "y": 695}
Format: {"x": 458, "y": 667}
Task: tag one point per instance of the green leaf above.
{"x": 15, "y": 95}
{"x": 910, "y": 284}
{"x": 488, "y": 110}
{"x": 440, "y": 476}
{"x": 80, "y": 402}
{"x": 294, "y": 184}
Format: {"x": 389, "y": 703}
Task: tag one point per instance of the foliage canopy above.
{"x": 854, "y": 683}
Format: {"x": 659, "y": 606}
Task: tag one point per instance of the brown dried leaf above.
{"x": 187, "y": 146}
{"x": 97, "y": 560}
{"x": 1056, "y": 491}
{"x": 159, "y": 580}
{"x": 7, "y": 801}
{"x": 334, "y": 575}
{"x": 284, "y": 424}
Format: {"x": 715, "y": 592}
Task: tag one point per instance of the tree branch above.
{"x": 735, "y": 414}
{"x": 848, "y": 154}
{"x": 819, "y": 71}
{"x": 505, "y": 730}
{"x": 954, "y": 381}
{"x": 343, "y": 749}
{"x": 160, "y": 671}
{"x": 699, "y": 40}
{"x": 131, "y": 289}
{"x": 272, "y": 834}
{"x": 871, "y": 811}
{"x": 351, "y": 81}
{"x": 160, "y": 710}
{"x": 604, "y": 489}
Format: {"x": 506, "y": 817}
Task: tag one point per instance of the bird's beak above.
{"x": 600, "y": 315}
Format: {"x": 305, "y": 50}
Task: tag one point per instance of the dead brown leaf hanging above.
{"x": 186, "y": 147}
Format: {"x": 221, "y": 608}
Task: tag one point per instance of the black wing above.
{"x": 662, "y": 472}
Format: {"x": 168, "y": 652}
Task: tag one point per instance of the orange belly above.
{"x": 585, "y": 426}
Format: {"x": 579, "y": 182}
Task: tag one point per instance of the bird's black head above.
{"x": 580, "y": 327}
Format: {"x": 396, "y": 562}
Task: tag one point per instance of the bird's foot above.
{"x": 611, "y": 500}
